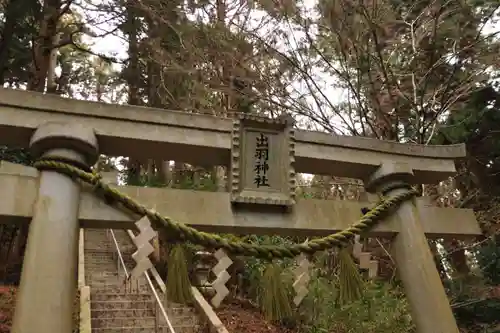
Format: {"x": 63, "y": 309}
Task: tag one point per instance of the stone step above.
{"x": 113, "y": 278}
{"x": 107, "y": 266}
{"x": 108, "y": 290}
{"x": 102, "y": 249}
{"x": 100, "y": 252}
{"x": 123, "y": 322}
{"x": 101, "y": 296}
{"x": 171, "y": 308}
{"x": 100, "y": 261}
{"x": 96, "y": 232}
{"x": 105, "y": 273}
{"x": 141, "y": 313}
{"x": 148, "y": 329}
{"x": 144, "y": 305}
{"x": 93, "y": 237}
{"x": 125, "y": 307}
{"x": 114, "y": 288}
{"x": 118, "y": 276}
{"x": 131, "y": 312}
{"x": 99, "y": 269}
{"x": 96, "y": 261}
{"x": 99, "y": 243}
{"x": 100, "y": 258}
{"x": 114, "y": 304}
{"x": 113, "y": 285}
{"x": 145, "y": 320}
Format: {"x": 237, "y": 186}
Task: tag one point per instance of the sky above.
{"x": 112, "y": 44}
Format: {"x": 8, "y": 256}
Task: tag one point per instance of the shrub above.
{"x": 380, "y": 309}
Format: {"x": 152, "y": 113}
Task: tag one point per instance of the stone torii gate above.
{"x": 262, "y": 155}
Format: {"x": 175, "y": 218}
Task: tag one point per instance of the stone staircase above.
{"x": 117, "y": 306}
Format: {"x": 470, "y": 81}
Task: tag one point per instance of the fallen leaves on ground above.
{"x": 238, "y": 317}
{"x": 7, "y": 304}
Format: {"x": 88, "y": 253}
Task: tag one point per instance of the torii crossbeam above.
{"x": 214, "y": 213}
{"x": 263, "y": 156}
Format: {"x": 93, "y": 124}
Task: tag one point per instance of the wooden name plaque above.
{"x": 262, "y": 161}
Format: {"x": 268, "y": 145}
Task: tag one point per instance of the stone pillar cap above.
{"x": 71, "y": 136}
{"x": 388, "y": 173}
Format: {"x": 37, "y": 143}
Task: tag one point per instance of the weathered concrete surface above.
{"x": 212, "y": 211}
{"x": 85, "y": 323}
{"x": 215, "y": 325}
{"x": 429, "y": 304}
{"x": 81, "y": 260}
{"x": 206, "y": 140}
{"x": 48, "y": 281}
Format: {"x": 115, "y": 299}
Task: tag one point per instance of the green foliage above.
{"x": 19, "y": 27}
{"x": 474, "y": 305}
{"x": 488, "y": 257}
{"x": 15, "y": 155}
{"x": 333, "y": 289}
{"x": 13, "y": 236}
{"x": 254, "y": 268}
{"x": 178, "y": 284}
{"x": 480, "y": 313}
{"x": 477, "y": 119}
{"x": 205, "y": 184}
{"x": 380, "y": 309}
{"x": 475, "y": 125}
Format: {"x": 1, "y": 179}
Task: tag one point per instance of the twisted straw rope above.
{"x": 185, "y": 233}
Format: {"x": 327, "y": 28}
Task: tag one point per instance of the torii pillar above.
{"x": 429, "y": 305}
{"x": 47, "y": 291}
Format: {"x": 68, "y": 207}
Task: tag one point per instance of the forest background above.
{"x": 422, "y": 71}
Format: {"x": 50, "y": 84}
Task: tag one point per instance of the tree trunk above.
{"x": 43, "y": 44}
{"x": 218, "y": 175}
{"x": 51, "y": 71}
{"x": 132, "y": 72}
{"x": 150, "y": 172}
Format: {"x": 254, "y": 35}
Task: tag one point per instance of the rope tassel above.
{"x": 178, "y": 284}
{"x": 350, "y": 281}
{"x": 274, "y": 299}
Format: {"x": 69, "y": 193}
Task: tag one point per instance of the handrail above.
{"x": 200, "y": 303}
{"x": 119, "y": 253}
{"x": 157, "y": 298}
{"x": 150, "y": 283}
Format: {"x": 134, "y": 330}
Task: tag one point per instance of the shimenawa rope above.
{"x": 208, "y": 240}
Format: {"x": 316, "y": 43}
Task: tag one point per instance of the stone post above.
{"x": 430, "y": 308}
{"x": 48, "y": 286}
